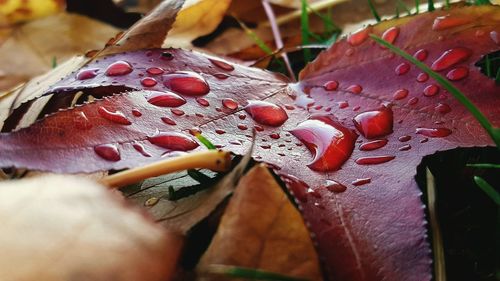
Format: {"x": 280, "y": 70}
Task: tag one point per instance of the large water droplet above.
{"x": 355, "y": 89}
{"x": 373, "y": 160}
{"x": 402, "y": 68}
{"x": 451, "y": 57}
{"x": 87, "y": 74}
{"x": 230, "y": 103}
{"x": 331, "y": 85}
{"x": 422, "y": 77}
{"x": 445, "y": 22}
{"x": 330, "y": 143}
{"x": 116, "y": 117}
{"x": 372, "y": 145}
{"x": 222, "y": 64}
{"x": 458, "y": 73}
{"x": 358, "y": 37}
{"x": 434, "y": 132}
{"x": 186, "y": 83}
{"x": 166, "y": 99}
{"x": 266, "y": 113}
{"x": 173, "y": 141}
{"x": 400, "y": 94}
{"x": 431, "y": 90}
{"x": 375, "y": 123}
{"x": 119, "y": 68}
{"x": 155, "y": 71}
{"x": 108, "y": 152}
{"x": 148, "y": 82}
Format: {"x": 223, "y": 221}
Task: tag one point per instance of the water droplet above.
{"x": 373, "y": 160}
{"x": 166, "y": 99}
{"x": 266, "y": 146}
{"x": 374, "y": 123}
{"x": 404, "y": 138}
{"x": 148, "y": 82}
{"x": 405, "y": 147}
{"x": 155, "y": 71}
{"x": 335, "y": 186}
{"x": 391, "y": 34}
{"x": 230, "y": 103}
{"x": 81, "y": 121}
{"x": 400, "y": 94}
{"x": 177, "y": 111}
{"x": 186, "y": 83}
{"x": 450, "y": 58}
{"x": 424, "y": 140}
{"x": 136, "y": 113}
{"x": 173, "y": 141}
{"x": 108, "y": 152}
{"x": 331, "y": 85}
{"x": 242, "y": 116}
{"x": 403, "y": 68}
{"x": 358, "y": 37}
{"x": 330, "y": 143}
{"x": 421, "y": 55}
{"x": 442, "y": 108}
{"x": 220, "y": 131}
{"x": 151, "y": 201}
{"x": 445, "y": 22}
{"x": 458, "y": 73}
{"x": 289, "y": 107}
{"x": 433, "y": 132}
{"x": 362, "y": 181}
{"x": 343, "y": 104}
{"x": 222, "y": 65}
{"x": 221, "y": 76}
{"x": 266, "y": 113}
{"x": 431, "y": 90}
{"x": 195, "y": 131}
{"x": 140, "y": 148}
{"x": 413, "y": 101}
{"x": 242, "y": 127}
{"x": 258, "y": 128}
{"x": 355, "y": 89}
{"x": 168, "y": 121}
{"x": 119, "y": 68}
{"x": 202, "y": 101}
{"x": 274, "y": 136}
{"x": 372, "y": 145}
{"x": 116, "y": 117}
{"x": 349, "y": 52}
{"x": 495, "y": 36}
{"x": 87, "y": 74}
{"x": 422, "y": 77}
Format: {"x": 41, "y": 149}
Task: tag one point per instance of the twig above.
{"x": 215, "y": 160}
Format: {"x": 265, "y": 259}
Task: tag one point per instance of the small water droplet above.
{"x": 448, "y": 21}
{"x": 405, "y": 147}
{"x": 362, "y": 181}
{"x": 372, "y": 145}
{"x": 230, "y": 103}
{"x": 458, "y": 73}
{"x": 434, "y": 132}
{"x": 220, "y": 131}
{"x": 151, "y": 201}
{"x": 274, "y": 136}
{"x": 421, "y": 54}
{"x": 155, "y": 71}
{"x": 148, "y": 82}
{"x": 168, "y": 121}
{"x": 358, "y": 37}
{"x": 242, "y": 127}
{"x": 221, "y": 76}
{"x": 422, "y": 77}
{"x": 173, "y": 141}
{"x": 116, "y": 117}
{"x": 136, "y": 113}
{"x": 166, "y": 56}
{"x": 119, "y": 68}
{"x": 266, "y": 113}
{"x": 242, "y": 116}
{"x": 81, "y": 121}
{"x": 424, "y": 140}
{"x": 186, "y": 83}
{"x": 373, "y": 160}
{"x": 140, "y": 148}
{"x": 330, "y": 143}
{"x": 331, "y": 85}
{"x": 349, "y": 52}
{"x": 258, "y": 128}
{"x": 431, "y": 90}
{"x": 495, "y": 36}
{"x": 222, "y": 64}
{"x": 355, "y": 89}
{"x": 443, "y": 108}
{"x": 400, "y": 94}
{"x": 334, "y": 186}
{"x": 87, "y": 74}
{"x": 450, "y": 58}
{"x": 202, "y": 101}
{"x": 391, "y": 34}
{"x": 177, "y": 111}
{"x": 108, "y": 152}
{"x": 166, "y": 99}
{"x": 343, "y": 104}
{"x": 374, "y": 123}
{"x": 413, "y": 101}
{"x": 266, "y": 146}
{"x": 402, "y": 68}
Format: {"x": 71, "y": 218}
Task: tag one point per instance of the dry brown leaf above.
{"x": 68, "y": 228}
{"x": 262, "y": 229}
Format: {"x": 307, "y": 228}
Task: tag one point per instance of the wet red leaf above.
{"x": 357, "y": 119}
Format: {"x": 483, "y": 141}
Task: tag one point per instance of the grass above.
{"x": 373, "y": 10}
{"x": 248, "y": 273}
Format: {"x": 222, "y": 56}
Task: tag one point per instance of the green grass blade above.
{"x": 492, "y": 131}
{"x": 404, "y": 6}
{"x": 488, "y": 189}
{"x": 304, "y": 28}
{"x": 484, "y": 166}
{"x": 249, "y": 273}
{"x": 373, "y": 10}
{"x": 497, "y": 77}
{"x": 417, "y": 6}
{"x": 259, "y": 42}
{"x": 488, "y": 65}
{"x": 54, "y": 62}
{"x": 208, "y": 144}
{"x": 430, "y": 5}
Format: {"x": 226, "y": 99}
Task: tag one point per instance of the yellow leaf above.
{"x": 12, "y": 11}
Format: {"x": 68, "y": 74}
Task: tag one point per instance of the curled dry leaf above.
{"x": 262, "y": 229}
{"x": 67, "y": 228}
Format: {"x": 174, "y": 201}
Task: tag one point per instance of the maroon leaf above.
{"x": 346, "y": 139}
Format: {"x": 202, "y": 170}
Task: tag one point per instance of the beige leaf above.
{"x": 262, "y": 229}
{"x": 68, "y": 228}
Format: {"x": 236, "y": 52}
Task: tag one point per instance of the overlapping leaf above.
{"x": 373, "y": 230}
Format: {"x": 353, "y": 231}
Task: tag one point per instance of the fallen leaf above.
{"x": 68, "y": 228}
{"x": 369, "y": 225}
{"x": 13, "y": 11}
{"x": 276, "y": 241}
